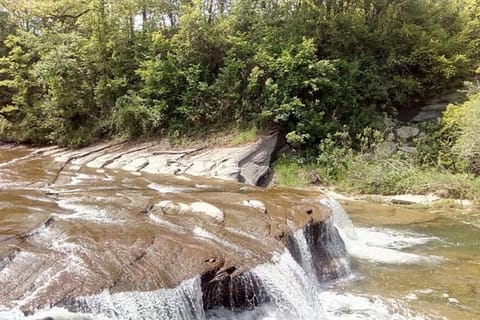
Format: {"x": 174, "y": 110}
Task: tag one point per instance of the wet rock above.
{"x": 232, "y": 290}
{"x": 209, "y": 210}
{"x": 136, "y": 164}
{"x": 327, "y": 249}
{"x": 99, "y": 245}
{"x": 414, "y": 199}
{"x": 256, "y": 204}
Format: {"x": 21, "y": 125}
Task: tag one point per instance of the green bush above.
{"x": 467, "y": 144}
{"x": 133, "y": 118}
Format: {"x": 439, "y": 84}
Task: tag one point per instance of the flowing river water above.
{"x": 396, "y": 263}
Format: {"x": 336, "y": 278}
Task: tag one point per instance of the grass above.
{"x": 290, "y": 172}
{"x": 227, "y": 136}
{"x": 381, "y": 176}
{"x": 242, "y": 136}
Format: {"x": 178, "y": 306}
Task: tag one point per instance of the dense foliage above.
{"x": 77, "y": 70}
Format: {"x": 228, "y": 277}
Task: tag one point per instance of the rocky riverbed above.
{"x": 77, "y": 223}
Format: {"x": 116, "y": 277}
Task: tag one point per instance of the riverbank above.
{"x": 385, "y": 183}
{"x": 252, "y": 158}
{"x": 438, "y": 159}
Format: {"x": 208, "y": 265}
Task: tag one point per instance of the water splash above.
{"x": 181, "y": 303}
{"x": 295, "y": 296}
{"x": 374, "y": 244}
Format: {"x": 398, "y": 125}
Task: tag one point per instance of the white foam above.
{"x": 181, "y": 303}
{"x": 377, "y": 245}
{"x": 167, "y": 189}
{"x": 87, "y": 212}
{"x": 393, "y": 239}
{"x": 296, "y": 297}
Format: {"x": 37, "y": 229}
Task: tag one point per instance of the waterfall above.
{"x": 296, "y": 284}
{"x": 181, "y": 303}
{"x": 373, "y": 244}
{"x": 340, "y": 218}
{"x": 320, "y": 250}
{"x": 300, "y": 246}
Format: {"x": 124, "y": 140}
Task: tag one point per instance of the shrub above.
{"x": 133, "y": 118}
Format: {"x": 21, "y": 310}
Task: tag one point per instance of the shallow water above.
{"x": 448, "y": 288}
{"x": 404, "y": 264}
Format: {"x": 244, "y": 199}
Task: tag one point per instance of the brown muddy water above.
{"x": 84, "y": 235}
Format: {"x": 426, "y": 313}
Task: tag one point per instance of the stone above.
{"x": 464, "y": 202}
{"x": 209, "y": 210}
{"x": 406, "y": 132}
{"x": 256, "y": 204}
{"x": 453, "y": 300}
{"x": 435, "y": 107}
{"x": 136, "y": 164}
{"x": 167, "y": 207}
{"x": 414, "y": 199}
{"x": 386, "y": 149}
{"x": 256, "y": 164}
{"x": 426, "y": 116}
{"x": 452, "y": 97}
{"x": 408, "y": 149}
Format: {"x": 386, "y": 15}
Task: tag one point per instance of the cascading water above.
{"x": 90, "y": 246}
{"x": 289, "y": 287}
{"x": 375, "y": 245}
{"x": 181, "y": 303}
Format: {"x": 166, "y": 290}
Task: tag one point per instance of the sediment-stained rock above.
{"x": 108, "y": 230}
{"x": 247, "y": 163}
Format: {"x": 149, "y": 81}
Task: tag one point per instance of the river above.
{"x": 56, "y": 241}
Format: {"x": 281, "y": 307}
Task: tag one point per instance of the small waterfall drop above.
{"x": 181, "y": 303}
{"x": 340, "y": 218}
{"x": 373, "y": 244}
{"x": 295, "y": 285}
{"x": 304, "y": 258}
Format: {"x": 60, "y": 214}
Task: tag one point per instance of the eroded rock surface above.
{"x": 96, "y": 230}
{"x": 247, "y": 163}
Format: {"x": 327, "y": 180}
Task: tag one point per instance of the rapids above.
{"x": 84, "y": 249}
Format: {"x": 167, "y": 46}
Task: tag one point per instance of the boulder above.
{"x": 170, "y": 208}
{"x": 407, "y": 149}
{"x": 406, "y": 132}
{"x": 256, "y": 204}
{"x": 167, "y": 207}
{"x": 414, "y": 199}
{"x": 386, "y": 149}
{"x": 426, "y": 116}
{"x": 209, "y": 210}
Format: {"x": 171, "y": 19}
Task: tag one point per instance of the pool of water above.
{"x": 447, "y": 287}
